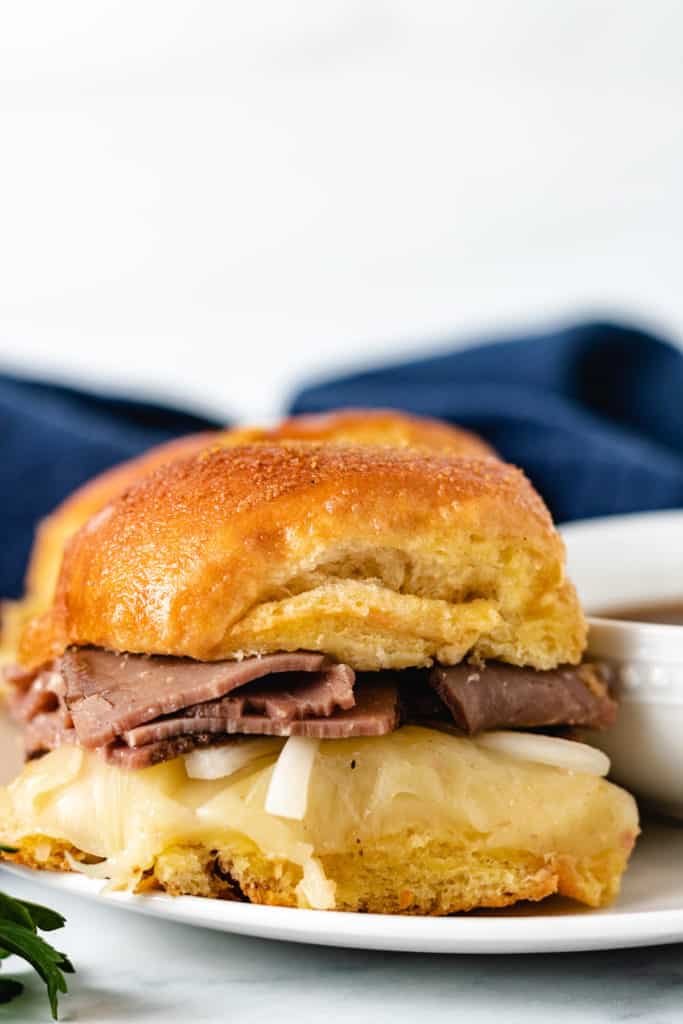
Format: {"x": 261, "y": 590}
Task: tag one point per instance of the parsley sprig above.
{"x": 20, "y": 921}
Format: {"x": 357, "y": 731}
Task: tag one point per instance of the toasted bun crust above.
{"x": 384, "y": 427}
{"x": 55, "y": 530}
{"x": 382, "y": 558}
{"x": 434, "y": 879}
{"x": 359, "y": 426}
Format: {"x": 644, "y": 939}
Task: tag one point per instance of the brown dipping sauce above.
{"x": 667, "y": 613}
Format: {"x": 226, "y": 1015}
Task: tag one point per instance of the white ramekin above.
{"x": 636, "y": 560}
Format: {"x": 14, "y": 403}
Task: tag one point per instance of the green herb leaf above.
{"x": 48, "y": 962}
{"x": 9, "y": 990}
{"x": 7, "y": 849}
{"x": 44, "y": 918}
{"x": 19, "y": 922}
{"x": 13, "y": 910}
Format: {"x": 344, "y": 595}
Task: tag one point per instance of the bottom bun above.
{"x": 418, "y": 822}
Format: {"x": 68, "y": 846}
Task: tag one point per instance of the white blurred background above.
{"x": 211, "y": 201}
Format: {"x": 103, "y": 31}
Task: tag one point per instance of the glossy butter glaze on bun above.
{"x": 386, "y": 427}
{"x": 380, "y": 558}
{"x": 358, "y": 426}
{"x": 55, "y": 530}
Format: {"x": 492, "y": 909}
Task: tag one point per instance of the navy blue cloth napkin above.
{"x": 592, "y": 413}
{"x": 54, "y": 438}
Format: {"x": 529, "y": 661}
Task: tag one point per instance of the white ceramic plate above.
{"x": 649, "y": 910}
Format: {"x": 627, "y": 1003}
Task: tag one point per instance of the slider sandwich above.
{"x": 385, "y": 427}
{"x": 305, "y": 675}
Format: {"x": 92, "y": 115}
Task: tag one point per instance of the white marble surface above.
{"x": 136, "y": 970}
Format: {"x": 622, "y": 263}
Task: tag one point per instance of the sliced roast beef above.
{"x": 155, "y": 753}
{"x": 146, "y": 709}
{"x": 499, "y": 696}
{"x": 48, "y": 730}
{"x": 419, "y": 701}
{"x": 42, "y": 693}
{"x": 275, "y": 707}
{"x": 376, "y": 712}
{"x": 109, "y": 694}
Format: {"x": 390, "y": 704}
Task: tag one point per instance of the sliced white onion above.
{"x": 315, "y": 888}
{"x": 287, "y": 795}
{"x": 100, "y": 870}
{"x": 529, "y": 746}
{"x": 220, "y": 762}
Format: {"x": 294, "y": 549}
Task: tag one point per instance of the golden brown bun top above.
{"x": 69, "y": 516}
{"x": 384, "y": 427}
{"x": 56, "y": 529}
{"x": 380, "y": 557}
{"x": 360, "y": 426}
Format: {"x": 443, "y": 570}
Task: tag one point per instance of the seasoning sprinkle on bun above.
{"x": 384, "y": 427}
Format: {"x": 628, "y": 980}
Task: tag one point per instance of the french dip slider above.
{"x": 303, "y": 674}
